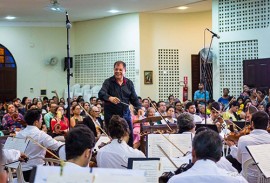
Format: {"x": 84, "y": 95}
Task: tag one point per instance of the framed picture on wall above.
{"x": 148, "y": 77}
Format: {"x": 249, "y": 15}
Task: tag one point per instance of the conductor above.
{"x": 117, "y": 92}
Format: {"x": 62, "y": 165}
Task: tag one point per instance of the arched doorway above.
{"x": 8, "y": 75}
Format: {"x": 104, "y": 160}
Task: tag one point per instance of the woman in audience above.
{"x": 136, "y": 126}
{"x": 11, "y": 120}
{"x": 59, "y": 124}
{"x": 76, "y": 118}
{"x": 178, "y": 108}
{"x": 86, "y": 106}
{"x": 170, "y": 116}
{"x": 116, "y": 154}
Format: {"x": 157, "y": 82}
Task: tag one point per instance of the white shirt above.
{"x": 255, "y": 137}
{"x": 116, "y": 154}
{"x": 206, "y": 171}
{"x": 10, "y": 155}
{"x": 172, "y": 120}
{"x": 33, "y": 151}
{"x": 223, "y": 163}
{"x": 197, "y": 119}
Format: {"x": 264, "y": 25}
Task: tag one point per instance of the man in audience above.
{"x": 93, "y": 101}
{"x": 199, "y": 95}
{"x": 225, "y": 99}
{"x": 91, "y": 121}
{"x": 191, "y": 108}
{"x": 18, "y": 106}
{"x": 206, "y": 151}
{"x": 259, "y": 135}
{"x": 51, "y": 114}
{"x": 145, "y": 103}
{"x": 79, "y": 144}
{"x": 33, "y": 118}
{"x": 161, "y": 107}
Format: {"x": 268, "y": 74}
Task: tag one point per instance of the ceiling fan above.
{"x": 55, "y": 7}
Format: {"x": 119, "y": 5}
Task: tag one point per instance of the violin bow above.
{"x": 163, "y": 152}
{"x": 228, "y": 104}
{"x": 171, "y": 142}
{"x": 160, "y": 114}
{"x": 34, "y": 141}
{"x": 95, "y": 122}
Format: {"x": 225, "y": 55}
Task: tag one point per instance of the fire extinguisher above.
{"x": 185, "y": 93}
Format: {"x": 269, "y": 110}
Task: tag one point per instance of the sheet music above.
{"x": 182, "y": 141}
{"x": 103, "y": 139}
{"x": 118, "y": 175}
{"x": 260, "y": 154}
{"x": 152, "y": 149}
{"x": 19, "y": 144}
{"x": 151, "y": 167}
{"x": 51, "y": 174}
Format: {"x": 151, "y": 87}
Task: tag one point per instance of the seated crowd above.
{"x": 45, "y": 122}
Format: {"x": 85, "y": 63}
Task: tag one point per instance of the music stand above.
{"x": 210, "y": 126}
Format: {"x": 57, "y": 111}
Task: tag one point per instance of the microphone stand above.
{"x": 205, "y": 78}
{"x": 68, "y": 26}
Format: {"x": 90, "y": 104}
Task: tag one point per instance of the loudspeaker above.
{"x": 66, "y": 63}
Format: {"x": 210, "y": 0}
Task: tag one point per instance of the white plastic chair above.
{"x": 78, "y": 92}
{"x": 95, "y": 90}
{"x": 75, "y": 86}
{"x": 85, "y": 88}
{"x": 66, "y": 94}
{"x": 20, "y": 178}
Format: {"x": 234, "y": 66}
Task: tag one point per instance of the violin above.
{"x": 15, "y": 117}
{"x": 234, "y": 136}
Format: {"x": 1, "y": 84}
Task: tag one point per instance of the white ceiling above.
{"x": 81, "y": 10}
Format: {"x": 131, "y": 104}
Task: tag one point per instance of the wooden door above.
{"x": 256, "y": 73}
{"x": 8, "y": 75}
{"x": 195, "y": 73}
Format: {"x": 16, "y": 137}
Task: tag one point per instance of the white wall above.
{"x": 117, "y": 33}
{"x": 260, "y": 34}
{"x": 31, "y": 47}
{"x": 171, "y": 31}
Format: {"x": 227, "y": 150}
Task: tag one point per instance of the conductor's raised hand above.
{"x": 114, "y": 100}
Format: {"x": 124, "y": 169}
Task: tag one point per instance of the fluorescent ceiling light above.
{"x": 10, "y": 17}
{"x": 182, "y": 8}
{"x": 113, "y": 11}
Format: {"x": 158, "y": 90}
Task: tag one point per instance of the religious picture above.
{"x": 148, "y": 77}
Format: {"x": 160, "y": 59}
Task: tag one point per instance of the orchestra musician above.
{"x": 36, "y": 154}
{"x": 117, "y": 92}
{"x": 92, "y": 122}
{"x": 116, "y": 153}
{"x": 206, "y": 151}
{"x": 59, "y": 124}
{"x": 11, "y": 120}
{"x": 79, "y": 144}
{"x": 259, "y": 135}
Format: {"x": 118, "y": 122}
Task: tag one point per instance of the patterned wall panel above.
{"x": 94, "y": 68}
{"x": 236, "y": 15}
{"x": 231, "y": 56}
{"x": 168, "y": 72}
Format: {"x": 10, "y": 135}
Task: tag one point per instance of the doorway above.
{"x": 8, "y": 75}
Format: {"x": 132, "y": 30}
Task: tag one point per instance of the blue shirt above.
{"x": 200, "y": 95}
{"x": 224, "y": 101}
